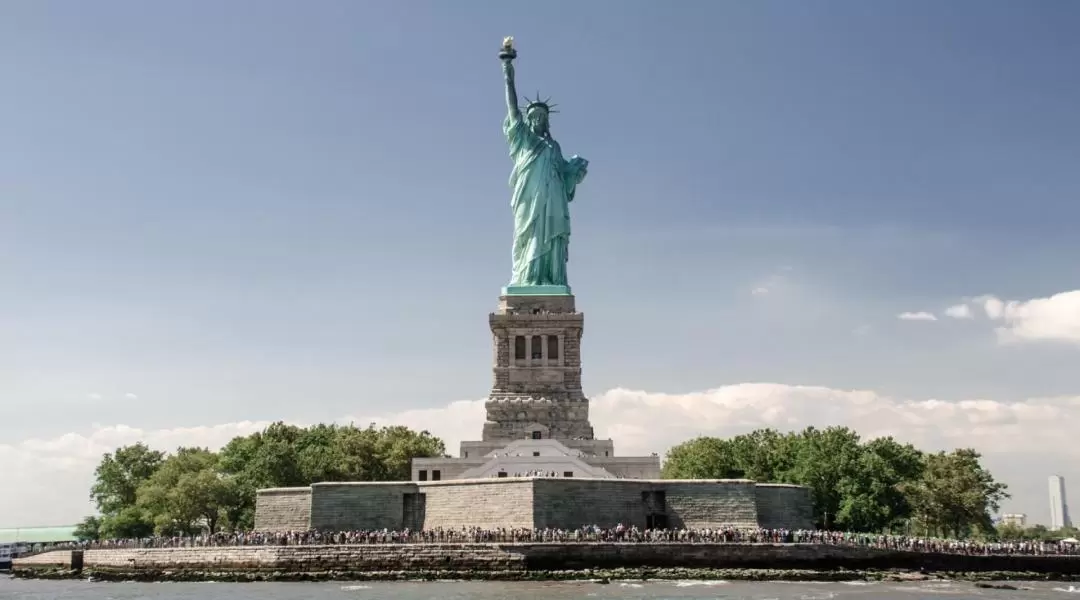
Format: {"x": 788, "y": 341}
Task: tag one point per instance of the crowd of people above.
{"x": 618, "y": 534}
{"x": 534, "y": 473}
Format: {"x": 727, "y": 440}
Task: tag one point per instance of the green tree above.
{"x": 116, "y": 482}
{"x": 289, "y": 456}
{"x": 854, "y": 485}
{"x": 187, "y": 493}
{"x": 956, "y": 495}
{"x": 1009, "y": 532}
{"x": 702, "y": 458}
{"x": 761, "y": 455}
{"x": 139, "y": 491}
{"x": 826, "y": 460}
{"x": 873, "y": 497}
{"x": 395, "y": 448}
{"x": 1068, "y": 532}
{"x": 1036, "y": 532}
{"x": 119, "y": 475}
{"x": 129, "y": 523}
{"x": 765, "y": 455}
{"x": 88, "y": 530}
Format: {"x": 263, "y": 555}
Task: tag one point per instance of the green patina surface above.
{"x": 536, "y": 290}
{"x": 37, "y": 535}
{"x": 543, "y": 184}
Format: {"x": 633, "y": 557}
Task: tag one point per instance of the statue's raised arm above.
{"x": 507, "y": 54}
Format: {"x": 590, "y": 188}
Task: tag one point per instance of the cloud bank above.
{"x": 1023, "y": 441}
{"x": 1054, "y": 318}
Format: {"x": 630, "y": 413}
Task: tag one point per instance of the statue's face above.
{"x": 538, "y": 120}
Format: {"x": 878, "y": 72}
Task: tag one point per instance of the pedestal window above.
{"x": 553, "y": 348}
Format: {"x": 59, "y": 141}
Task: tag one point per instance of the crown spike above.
{"x": 537, "y": 102}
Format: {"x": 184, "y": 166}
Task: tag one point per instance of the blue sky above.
{"x": 218, "y": 212}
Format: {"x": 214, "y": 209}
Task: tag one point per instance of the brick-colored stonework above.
{"x": 783, "y": 506}
{"x": 537, "y": 502}
{"x": 608, "y": 502}
{"x": 283, "y": 509}
{"x": 354, "y": 506}
{"x": 536, "y": 395}
{"x": 369, "y": 557}
{"x": 711, "y": 504}
{"x": 487, "y": 503}
{"x": 60, "y": 559}
{"x": 571, "y": 504}
{"x": 540, "y": 388}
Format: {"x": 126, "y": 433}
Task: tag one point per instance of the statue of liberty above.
{"x": 543, "y": 184}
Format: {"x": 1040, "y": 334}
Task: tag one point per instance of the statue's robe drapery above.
{"x": 543, "y": 185}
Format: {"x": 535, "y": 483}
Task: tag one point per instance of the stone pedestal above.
{"x": 537, "y": 387}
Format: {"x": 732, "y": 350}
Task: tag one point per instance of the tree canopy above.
{"x": 1040, "y": 533}
{"x": 870, "y": 486}
{"x": 140, "y": 492}
{"x": 873, "y": 486}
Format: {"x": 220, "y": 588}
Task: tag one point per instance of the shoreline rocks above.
{"x": 981, "y": 579}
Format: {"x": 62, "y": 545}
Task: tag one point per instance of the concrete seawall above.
{"x": 530, "y": 561}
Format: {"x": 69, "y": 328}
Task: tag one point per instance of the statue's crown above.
{"x": 545, "y": 104}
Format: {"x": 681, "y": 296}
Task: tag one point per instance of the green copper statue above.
{"x": 543, "y": 184}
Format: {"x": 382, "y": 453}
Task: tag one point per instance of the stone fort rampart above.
{"x": 534, "y": 503}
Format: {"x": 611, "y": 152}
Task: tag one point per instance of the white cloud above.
{"x": 960, "y": 311}
{"x": 759, "y": 291}
{"x": 1054, "y": 318}
{"x": 916, "y": 316}
{"x": 52, "y": 476}
{"x": 130, "y": 396}
{"x": 93, "y": 396}
{"x": 994, "y": 308}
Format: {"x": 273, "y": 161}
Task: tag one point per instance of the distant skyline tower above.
{"x": 1059, "y": 508}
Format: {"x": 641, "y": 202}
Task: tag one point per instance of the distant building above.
{"x": 1014, "y": 520}
{"x": 37, "y": 535}
{"x": 14, "y": 542}
{"x": 1059, "y": 507}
